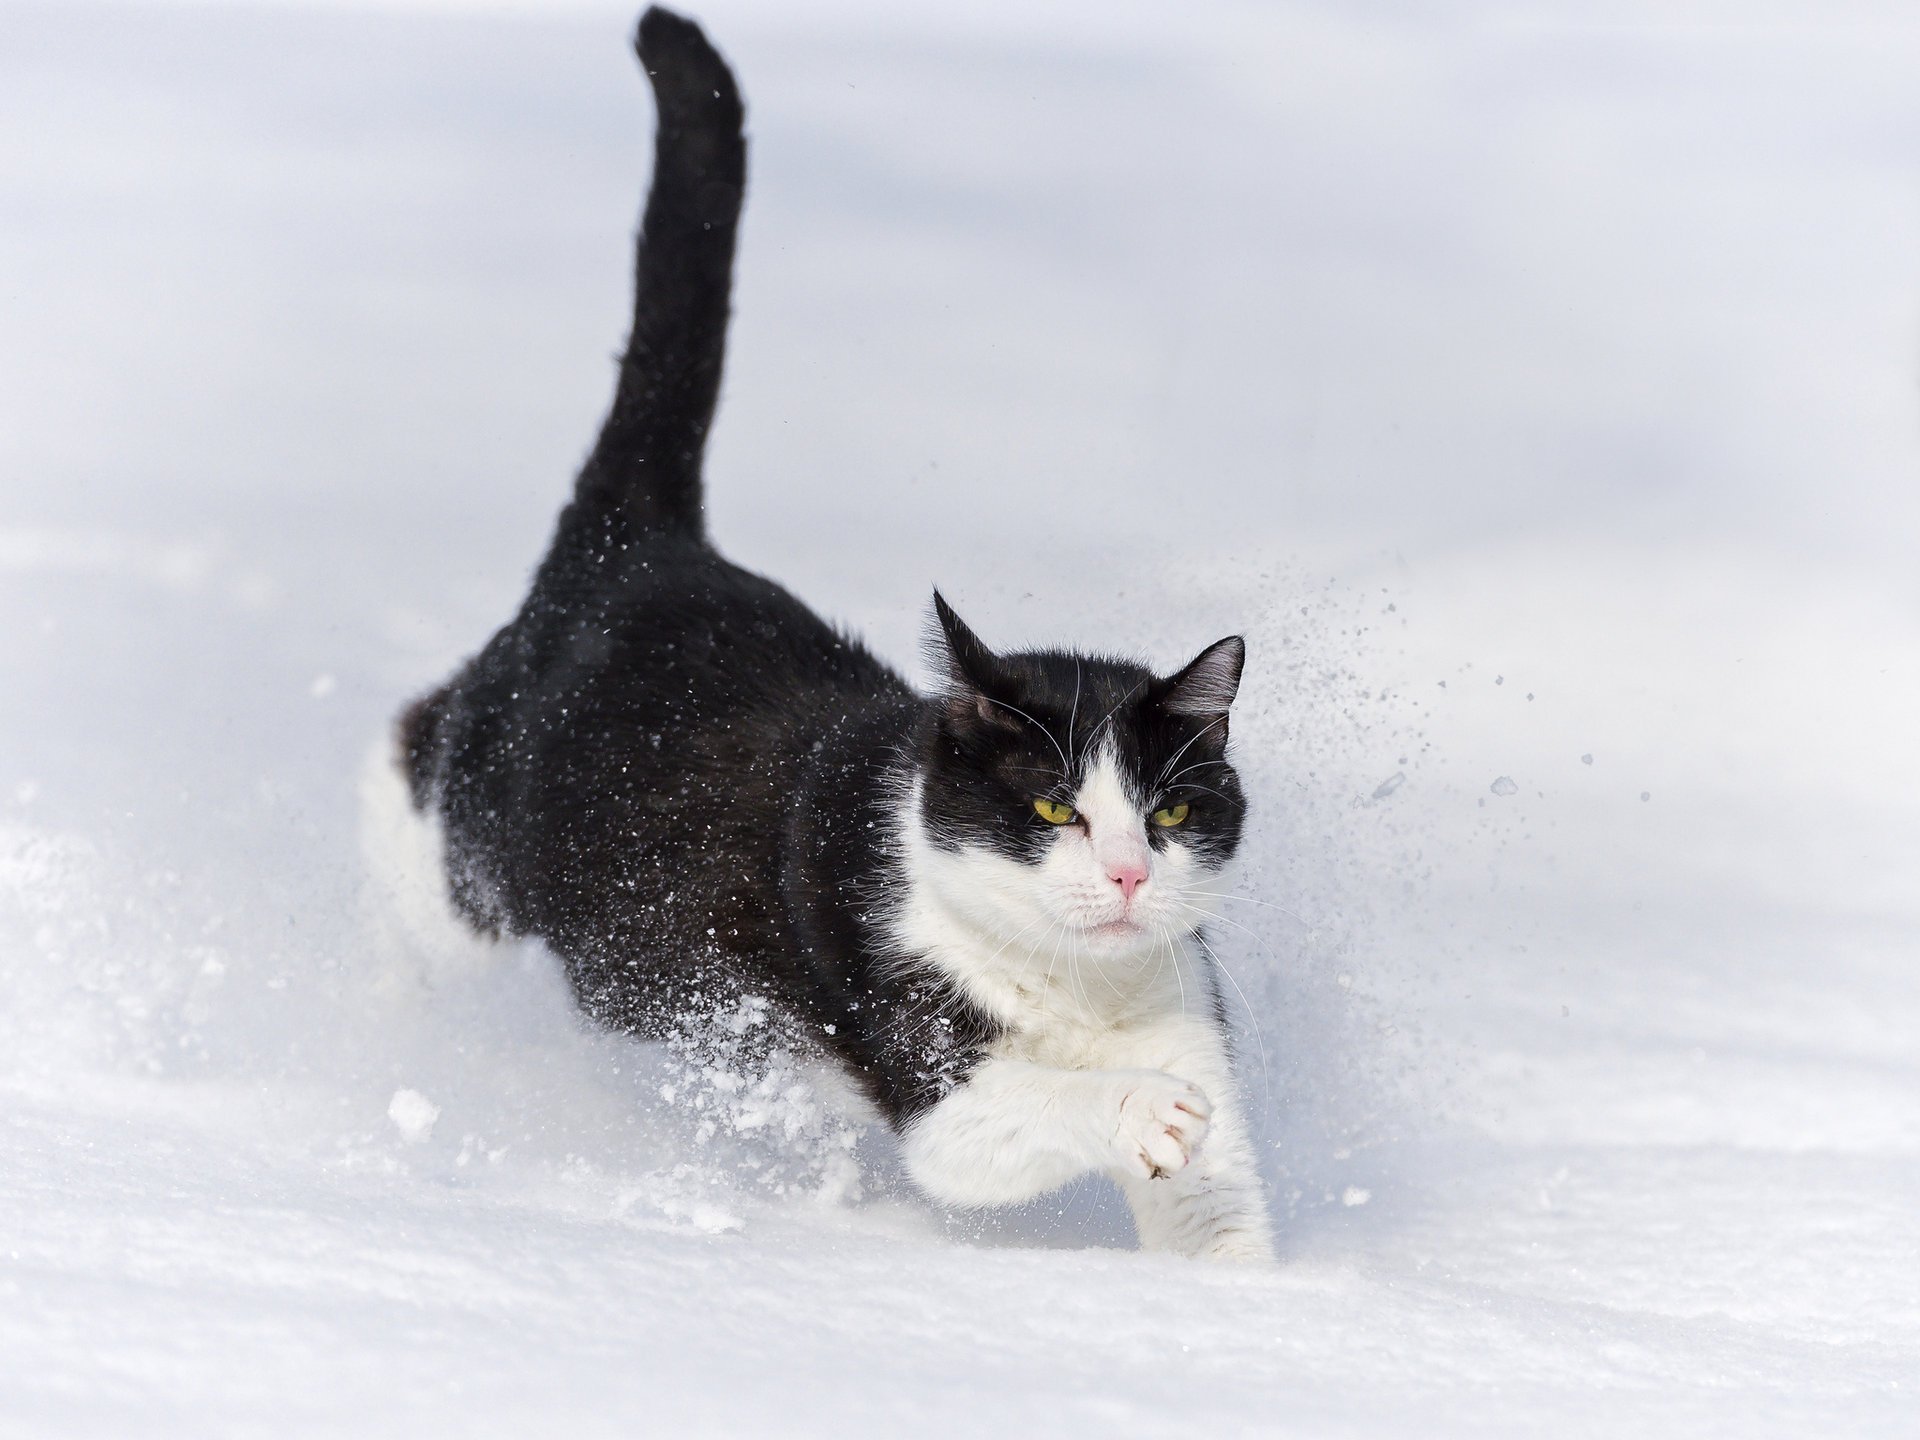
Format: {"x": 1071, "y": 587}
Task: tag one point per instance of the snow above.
{"x": 1387, "y": 786}
{"x": 1493, "y": 345}
{"x": 412, "y": 1115}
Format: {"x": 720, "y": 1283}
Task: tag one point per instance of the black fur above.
{"x": 681, "y": 778}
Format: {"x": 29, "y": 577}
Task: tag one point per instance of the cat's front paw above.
{"x": 1161, "y": 1123}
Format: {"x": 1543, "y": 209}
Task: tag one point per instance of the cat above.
{"x": 983, "y": 903}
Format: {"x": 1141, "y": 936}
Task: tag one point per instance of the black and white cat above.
{"x": 984, "y": 904}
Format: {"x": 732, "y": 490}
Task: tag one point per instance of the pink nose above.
{"x": 1129, "y": 875}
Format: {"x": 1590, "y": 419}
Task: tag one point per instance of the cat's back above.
{"x": 616, "y": 769}
{"x": 674, "y": 632}
{"x": 658, "y": 705}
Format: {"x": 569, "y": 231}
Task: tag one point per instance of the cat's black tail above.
{"x": 646, "y": 465}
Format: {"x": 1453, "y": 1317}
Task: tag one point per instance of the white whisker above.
{"x": 1074, "y": 714}
{"x": 1217, "y": 720}
{"x": 1253, "y": 1020}
{"x": 1197, "y": 765}
{"x": 1205, "y": 790}
{"x": 1094, "y": 733}
{"x": 1066, "y": 765}
{"x": 1249, "y": 900}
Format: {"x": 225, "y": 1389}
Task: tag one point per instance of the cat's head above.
{"x": 1079, "y": 801}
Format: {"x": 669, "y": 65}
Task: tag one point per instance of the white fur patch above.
{"x": 404, "y": 887}
{"x": 1111, "y": 1059}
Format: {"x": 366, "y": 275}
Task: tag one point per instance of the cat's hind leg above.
{"x": 1215, "y": 1206}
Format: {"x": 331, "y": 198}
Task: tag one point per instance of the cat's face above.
{"x": 1080, "y": 803}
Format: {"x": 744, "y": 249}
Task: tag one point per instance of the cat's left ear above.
{"x": 1206, "y": 686}
{"x": 974, "y": 673}
{"x": 969, "y": 664}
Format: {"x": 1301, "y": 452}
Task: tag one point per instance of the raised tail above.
{"x": 646, "y": 464}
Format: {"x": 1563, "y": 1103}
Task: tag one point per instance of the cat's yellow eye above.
{"x": 1053, "y": 812}
{"x": 1169, "y": 815}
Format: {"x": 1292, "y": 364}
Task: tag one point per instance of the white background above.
{"x": 1527, "y": 383}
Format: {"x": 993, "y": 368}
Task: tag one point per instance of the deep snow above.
{"x": 1538, "y": 394}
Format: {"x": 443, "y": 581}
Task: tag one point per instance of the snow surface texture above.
{"x": 1537, "y": 393}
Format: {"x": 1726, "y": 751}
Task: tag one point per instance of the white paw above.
{"x": 1162, "y": 1121}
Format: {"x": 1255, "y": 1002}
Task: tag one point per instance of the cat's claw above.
{"x": 1162, "y": 1121}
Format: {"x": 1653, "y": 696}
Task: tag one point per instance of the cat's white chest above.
{"x": 1051, "y": 1012}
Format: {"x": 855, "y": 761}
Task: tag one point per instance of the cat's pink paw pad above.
{"x": 1162, "y": 1119}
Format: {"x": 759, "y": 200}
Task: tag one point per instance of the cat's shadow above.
{"x": 1091, "y": 1213}
{"x": 1088, "y": 1214}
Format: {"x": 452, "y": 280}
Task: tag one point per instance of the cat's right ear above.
{"x": 1206, "y": 686}
{"x": 972, "y": 672}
